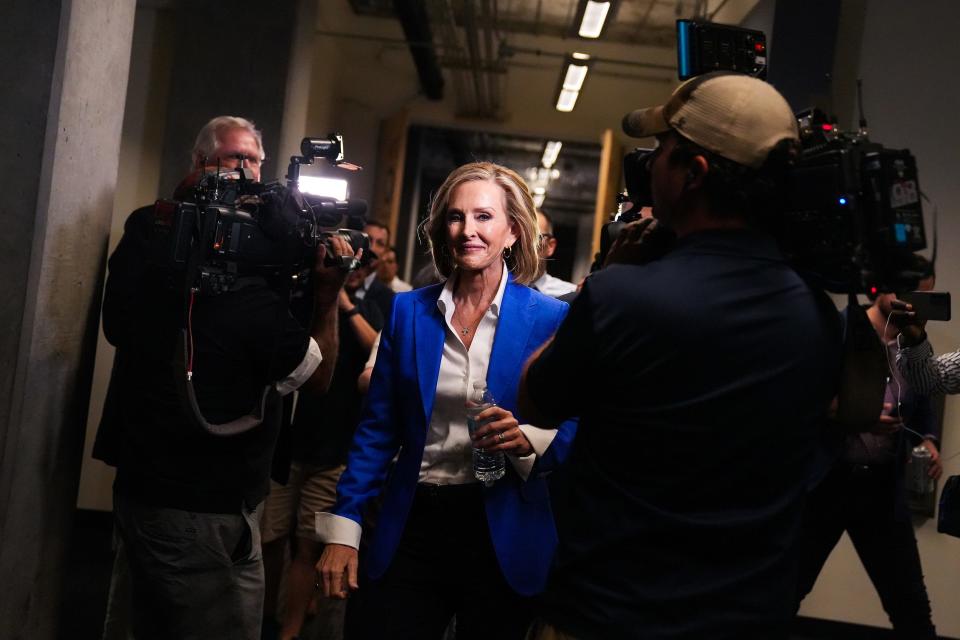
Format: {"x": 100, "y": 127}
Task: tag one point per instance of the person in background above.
{"x": 371, "y": 287}
{"x": 445, "y": 544}
{"x": 546, "y": 283}
{"x": 387, "y": 272}
{"x": 864, "y": 494}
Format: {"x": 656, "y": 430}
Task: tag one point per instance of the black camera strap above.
{"x": 185, "y": 387}
{"x": 183, "y": 355}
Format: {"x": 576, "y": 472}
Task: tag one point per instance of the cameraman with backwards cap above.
{"x": 702, "y": 376}
{"x": 186, "y": 501}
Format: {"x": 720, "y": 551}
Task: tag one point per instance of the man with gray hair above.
{"x": 187, "y": 496}
{"x": 229, "y": 142}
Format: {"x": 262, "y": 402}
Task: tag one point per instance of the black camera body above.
{"x": 852, "y": 218}
{"x": 235, "y": 227}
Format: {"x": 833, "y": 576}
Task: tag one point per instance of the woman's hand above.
{"x": 337, "y": 569}
{"x": 501, "y": 432}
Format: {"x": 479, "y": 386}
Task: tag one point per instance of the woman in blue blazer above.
{"x": 444, "y": 544}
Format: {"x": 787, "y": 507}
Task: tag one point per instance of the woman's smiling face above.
{"x": 478, "y": 226}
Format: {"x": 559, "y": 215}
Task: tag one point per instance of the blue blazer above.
{"x": 397, "y": 416}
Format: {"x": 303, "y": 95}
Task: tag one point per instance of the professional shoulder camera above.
{"x": 852, "y": 218}
{"x": 233, "y": 227}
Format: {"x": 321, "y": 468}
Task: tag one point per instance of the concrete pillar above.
{"x": 64, "y": 79}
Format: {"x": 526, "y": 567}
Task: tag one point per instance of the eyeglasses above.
{"x": 545, "y": 236}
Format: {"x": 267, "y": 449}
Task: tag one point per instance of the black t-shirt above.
{"x": 323, "y": 426}
{"x": 699, "y": 380}
{"x": 243, "y": 340}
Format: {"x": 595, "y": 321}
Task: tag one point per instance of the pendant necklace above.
{"x": 464, "y": 331}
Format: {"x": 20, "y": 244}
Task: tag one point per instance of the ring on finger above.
{"x": 500, "y": 436}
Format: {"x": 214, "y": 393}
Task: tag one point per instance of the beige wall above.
{"x": 137, "y": 180}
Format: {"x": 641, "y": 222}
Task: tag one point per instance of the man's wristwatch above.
{"x": 351, "y": 312}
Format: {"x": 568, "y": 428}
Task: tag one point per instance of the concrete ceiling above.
{"x": 640, "y": 22}
{"x": 475, "y": 42}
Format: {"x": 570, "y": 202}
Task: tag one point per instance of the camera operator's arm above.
{"x": 327, "y": 285}
{"x": 366, "y": 334}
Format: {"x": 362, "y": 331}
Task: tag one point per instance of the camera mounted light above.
{"x": 335, "y": 188}
{"x": 329, "y": 148}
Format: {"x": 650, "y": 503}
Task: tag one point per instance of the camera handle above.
{"x": 293, "y": 170}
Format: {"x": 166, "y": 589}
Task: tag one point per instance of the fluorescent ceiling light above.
{"x": 567, "y": 100}
{"x": 550, "y": 153}
{"x": 581, "y": 56}
{"x": 326, "y": 187}
{"x": 594, "y": 15}
{"x": 576, "y": 74}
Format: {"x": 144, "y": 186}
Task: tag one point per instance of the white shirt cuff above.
{"x": 540, "y": 440}
{"x": 304, "y": 370}
{"x": 334, "y": 529}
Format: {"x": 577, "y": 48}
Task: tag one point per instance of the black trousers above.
{"x": 863, "y": 502}
{"x": 445, "y": 566}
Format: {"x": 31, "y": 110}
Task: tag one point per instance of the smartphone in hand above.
{"x": 928, "y": 305}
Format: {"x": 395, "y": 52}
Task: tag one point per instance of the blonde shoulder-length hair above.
{"x": 523, "y": 259}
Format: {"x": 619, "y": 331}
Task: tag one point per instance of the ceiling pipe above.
{"x": 471, "y": 32}
{"x": 416, "y": 28}
{"x": 493, "y": 87}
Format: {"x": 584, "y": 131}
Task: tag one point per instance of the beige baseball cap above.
{"x": 735, "y": 116}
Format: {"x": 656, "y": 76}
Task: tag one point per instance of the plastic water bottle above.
{"x": 487, "y": 467}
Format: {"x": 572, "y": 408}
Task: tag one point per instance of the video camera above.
{"x": 235, "y": 227}
{"x": 853, "y": 217}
